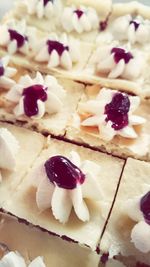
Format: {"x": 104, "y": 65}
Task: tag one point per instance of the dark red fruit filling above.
{"x": 31, "y": 95}
{"x": 2, "y": 70}
{"x": 145, "y": 207}
{"x": 120, "y": 53}
{"x": 79, "y": 13}
{"x": 117, "y": 111}
{"x": 63, "y": 172}
{"x": 46, "y": 2}
{"x": 103, "y": 25}
{"x": 135, "y": 23}
{"x": 59, "y": 47}
{"x": 20, "y": 39}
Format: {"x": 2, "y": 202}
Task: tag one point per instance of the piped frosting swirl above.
{"x": 37, "y": 96}
{"x": 112, "y": 112}
{"x": 64, "y": 183}
{"x": 80, "y": 19}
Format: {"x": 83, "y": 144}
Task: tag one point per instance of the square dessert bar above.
{"x": 15, "y": 163}
{"x": 54, "y": 53}
{"x": 42, "y": 102}
{"x": 77, "y": 18}
{"x": 127, "y": 234}
{"x": 113, "y": 122}
{"x": 31, "y": 242}
{"x": 49, "y": 204}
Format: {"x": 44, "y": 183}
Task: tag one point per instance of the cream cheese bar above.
{"x": 42, "y": 102}
{"x": 127, "y": 234}
{"x": 77, "y": 18}
{"x": 19, "y": 148}
{"x": 112, "y": 121}
{"x": 54, "y": 53}
{"x": 31, "y": 243}
{"x": 68, "y": 192}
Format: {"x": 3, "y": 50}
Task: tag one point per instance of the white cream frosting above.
{"x": 55, "y": 95}
{"x": 140, "y": 234}
{"x": 96, "y": 108}
{"x": 36, "y": 7}
{"x": 87, "y": 22}
{"x": 11, "y": 45}
{"x": 123, "y": 30}
{"x": 60, "y": 200}
{"x": 105, "y": 63}
{"x": 14, "y": 259}
{"x": 9, "y": 147}
{"x": 67, "y": 58}
{"x": 6, "y": 80}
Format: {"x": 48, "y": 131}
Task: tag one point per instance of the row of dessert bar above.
{"x": 90, "y": 41}
{"x": 108, "y": 120}
{"x": 34, "y": 190}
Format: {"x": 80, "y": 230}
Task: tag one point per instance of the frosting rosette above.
{"x": 63, "y": 51}
{"x": 43, "y": 8}
{"x": 13, "y": 37}
{"x": 6, "y": 73}
{"x": 79, "y": 19}
{"x": 9, "y": 147}
{"x": 36, "y": 96}
{"x": 14, "y": 259}
{"x": 138, "y": 209}
{"x": 133, "y": 30}
{"x": 115, "y": 62}
{"x": 112, "y": 112}
{"x": 64, "y": 183}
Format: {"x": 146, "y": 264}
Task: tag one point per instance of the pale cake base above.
{"x": 31, "y": 144}
{"x": 30, "y": 242}
{"x": 117, "y": 236}
{"x": 23, "y": 204}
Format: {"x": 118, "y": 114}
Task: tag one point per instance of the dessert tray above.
{"x": 75, "y": 134}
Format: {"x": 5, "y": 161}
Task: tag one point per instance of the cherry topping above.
{"x": 117, "y": 111}
{"x": 55, "y": 45}
{"x": 31, "y": 95}
{"x": 145, "y": 207}
{"x": 2, "y": 70}
{"x": 103, "y": 25}
{"x": 20, "y": 39}
{"x": 79, "y": 13}
{"x": 120, "y": 53}
{"x": 46, "y": 2}
{"x": 63, "y": 172}
{"x": 135, "y": 23}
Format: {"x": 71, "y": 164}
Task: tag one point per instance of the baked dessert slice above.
{"x": 68, "y": 192}
{"x": 31, "y": 243}
{"x": 128, "y": 24}
{"x": 41, "y": 102}
{"x": 55, "y": 53}
{"x": 112, "y": 121}
{"x": 78, "y": 18}
{"x": 18, "y": 148}
{"x": 121, "y": 56}
{"x": 127, "y": 234}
